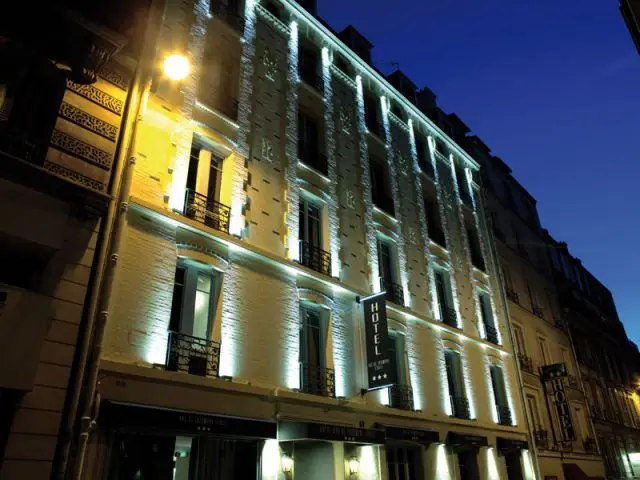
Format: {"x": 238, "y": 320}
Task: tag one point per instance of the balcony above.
{"x": 315, "y": 258}
{"x": 526, "y": 364}
{"x": 401, "y": 397}
{"x": 589, "y": 445}
{"x": 437, "y": 235}
{"x": 449, "y": 316}
{"x": 512, "y": 295}
{"x": 193, "y": 355}
{"x": 314, "y": 159}
{"x": 312, "y": 78}
{"x": 541, "y": 437}
{"x": 207, "y": 211}
{"x": 227, "y": 12}
{"x": 384, "y": 202}
{"x": 459, "y": 407}
{"x": 504, "y": 415}
{"x": 492, "y": 334}
{"x": 394, "y": 292}
{"x": 317, "y": 380}
{"x": 537, "y": 310}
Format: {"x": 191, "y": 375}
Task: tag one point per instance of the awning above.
{"x": 511, "y": 445}
{"x": 465, "y": 441}
{"x": 416, "y": 435}
{"x": 290, "y": 431}
{"x": 149, "y": 418}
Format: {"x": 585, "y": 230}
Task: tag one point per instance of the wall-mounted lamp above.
{"x": 176, "y": 66}
{"x": 286, "y": 463}
{"x": 354, "y": 466}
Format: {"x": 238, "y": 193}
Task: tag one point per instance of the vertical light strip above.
{"x": 507, "y": 386}
{"x": 490, "y": 392}
{"x": 402, "y": 257}
{"x": 468, "y": 380}
{"x": 240, "y": 162}
{"x": 476, "y": 301}
{"x": 330, "y": 131}
{"x": 492, "y": 465}
{"x": 415, "y": 374}
{"x": 444, "y": 383}
{"x": 184, "y": 131}
{"x": 372, "y": 244}
{"x": 442, "y": 460}
{"x": 529, "y": 473}
{"x": 341, "y": 347}
{"x": 291, "y": 169}
{"x": 422, "y": 214}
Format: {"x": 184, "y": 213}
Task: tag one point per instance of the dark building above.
{"x": 630, "y": 10}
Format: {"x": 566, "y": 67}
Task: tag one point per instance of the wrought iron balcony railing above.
{"x": 460, "y": 407}
{"x": 315, "y": 258}
{"x": 206, "y": 210}
{"x": 384, "y": 202}
{"x": 314, "y": 159}
{"x": 526, "y": 364}
{"x": 504, "y": 414}
{"x": 228, "y": 13}
{"x": 537, "y": 310}
{"x": 589, "y": 445}
{"x": 449, "y": 316}
{"x": 194, "y": 355}
{"x": 394, "y": 292}
{"x": 401, "y": 397}
{"x": 512, "y": 295}
{"x": 541, "y": 437}
{"x": 317, "y": 380}
{"x": 22, "y": 147}
{"x": 492, "y": 334}
{"x": 312, "y": 78}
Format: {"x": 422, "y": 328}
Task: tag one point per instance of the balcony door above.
{"x": 312, "y": 254}
{"x": 312, "y": 349}
{"x": 385, "y": 264}
{"x": 445, "y": 301}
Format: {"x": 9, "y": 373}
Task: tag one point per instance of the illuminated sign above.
{"x": 380, "y": 372}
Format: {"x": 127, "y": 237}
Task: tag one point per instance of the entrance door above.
{"x": 404, "y": 463}
{"x": 142, "y": 457}
{"x": 468, "y": 465}
{"x": 514, "y": 467}
{"x": 224, "y": 459}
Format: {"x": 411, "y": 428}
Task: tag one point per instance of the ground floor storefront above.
{"x": 151, "y": 428}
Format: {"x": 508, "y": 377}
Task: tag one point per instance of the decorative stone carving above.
{"x": 114, "y": 76}
{"x": 73, "y": 176}
{"x": 345, "y": 120}
{"x": 80, "y": 149}
{"x": 270, "y": 65}
{"x": 94, "y": 124}
{"x": 350, "y": 199}
{"x": 413, "y": 237}
{"x": 267, "y": 150}
{"x": 97, "y": 96}
{"x": 403, "y": 164}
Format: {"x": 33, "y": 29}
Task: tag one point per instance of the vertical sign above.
{"x": 555, "y": 374}
{"x": 379, "y": 369}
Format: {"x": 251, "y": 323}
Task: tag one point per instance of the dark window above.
{"x": 380, "y": 186}
{"x": 468, "y": 465}
{"x": 455, "y": 381}
{"x": 273, "y": 9}
{"x": 310, "y": 236}
{"x": 500, "y": 395}
{"x": 308, "y": 143}
{"x": 445, "y": 300}
{"x": 385, "y": 262}
{"x": 315, "y": 377}
{"x": 22, "y": 264}
{"x": 371, "y": 116}
{"x": 476, "y": 250}
{"x": 308, "y": 65}
{"x": 434, "y": 223}
{"x": 487, "y": 317}
{"x": 514, "y": 467}
{"x": 423, "y": 158}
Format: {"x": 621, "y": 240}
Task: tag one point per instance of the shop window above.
{"x": 404, "y": 463}
{"x": 315, "y": 377}
{"x": 445, "y": 298}
{"x": 455, "y": 380}
{"x": 310, "y": 237}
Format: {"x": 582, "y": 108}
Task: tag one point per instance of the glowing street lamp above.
{"x": 176, "y": 67}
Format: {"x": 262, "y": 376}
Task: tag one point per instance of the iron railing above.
{"x": 315, "y": 258}
{"x": 317, "y": 380}
{"x": 384, "y": 202}
{"x": 401, "y": 397}
{"x": 394, "y": 292}
{"x": 22, "y": 147}
{"x": 589, "y": 445}
{"x": 459, "y": 407}
{"x": 312, "y": 78}
{"x": 537, "y": 310}
{"x": 437, "y": 235}
{"x": 227, "y": 14}
{"x": 492, "y": 334}
{"x": 526, "y": 364}
{"x": 314, "y": 159}
{"x": 194, "y": 355}
{"x": 512, "y": 295}
{"x": 206, "y": 210}
{"x": 541, "y": 437}
{"x": 504, "y": 414}
{"x": 449, "y": 316}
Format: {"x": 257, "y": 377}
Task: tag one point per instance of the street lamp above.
{"x": 354, "y": 466}
{"x": 176, "y": 66}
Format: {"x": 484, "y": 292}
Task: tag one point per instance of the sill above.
{"x": 314, "y": 170}
{"x": 311, "y": 89}
{"x": 385, "y": 213}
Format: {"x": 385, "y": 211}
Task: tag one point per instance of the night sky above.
{"x": 553, "y": 87}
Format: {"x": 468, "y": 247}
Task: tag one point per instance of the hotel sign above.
{"x": 554, "y": 374}
{"x": 379, "y": 368}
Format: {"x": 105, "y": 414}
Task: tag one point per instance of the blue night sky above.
{"x": 553, "y": 87}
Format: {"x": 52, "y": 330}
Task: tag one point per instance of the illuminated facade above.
{"x": 279, "y": 184}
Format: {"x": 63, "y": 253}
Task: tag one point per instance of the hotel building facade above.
{"x": 279, "y": 190}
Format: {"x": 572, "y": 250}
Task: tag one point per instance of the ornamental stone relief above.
{"x": 345, "y": 120}
{"x": 73, "y": 176}
{"x": 350, "y": 199}
{"x": 403, "y": 164}
{"x": 80, "y": 149}
{"x": 267, "y": 150}
{"x": 270, "y": 64}
{"x": 94, "y": 124}
{"x": 97, "y": 96}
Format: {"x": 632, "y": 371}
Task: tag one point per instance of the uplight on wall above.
{"x": 354, "y": 466}
{"x": 176, "y": 67}
{"x": 286, "y": 463}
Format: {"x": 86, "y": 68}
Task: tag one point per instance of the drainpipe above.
{"x": 98, "y": 321}
{"x": 505, "y": 306}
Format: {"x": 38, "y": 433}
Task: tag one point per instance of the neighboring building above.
{"x": 282, "y": 183}
{"x": 62, "y": 104}
{"x": 630, "y": 10}
{"x": 609, "y": 362}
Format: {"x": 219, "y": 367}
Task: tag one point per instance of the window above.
{"x": 463, "y": 185}
{"x": 434, "y": 223}
{"x": 534, "y": 412}
{"x": 423, "y": 159}
{"x": 371, "y": 113}
{"x": 536, "y": 307}
{"x": 381, "y": 186}
{"x": 387, "y": 267}
{"x": 455, "y": 380}
{"x": 310, "y": 237}
{"x": 476, "y": 250}
{"x": 315, "y": 377}
{"x": 400, "y": 394}
{"x": 273, "y": 9}
{"x": 468, "y": 464}
{"x": 514, "y": 466}
{"x": 500, "y": 395}
{"x": 544, "y": 351}
{"x": 308, "y": 66}
{"x": 404, "y": 463}
{"x": 508, "y": 285}
{"x": 445, "y": 298}
{"x": 309, "y": 144}
{"x": 202, "y": 200}
{"x": 491, "y": 332}
{"x": 519, "y": 337}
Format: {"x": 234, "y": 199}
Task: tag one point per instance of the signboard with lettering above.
{"x": 554, "y": 374}
{"x": 424, "y": 437}
{"x": 379, "y": 369}
{"x": 291, "y": 431}
{"x": 548, "y": 372}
